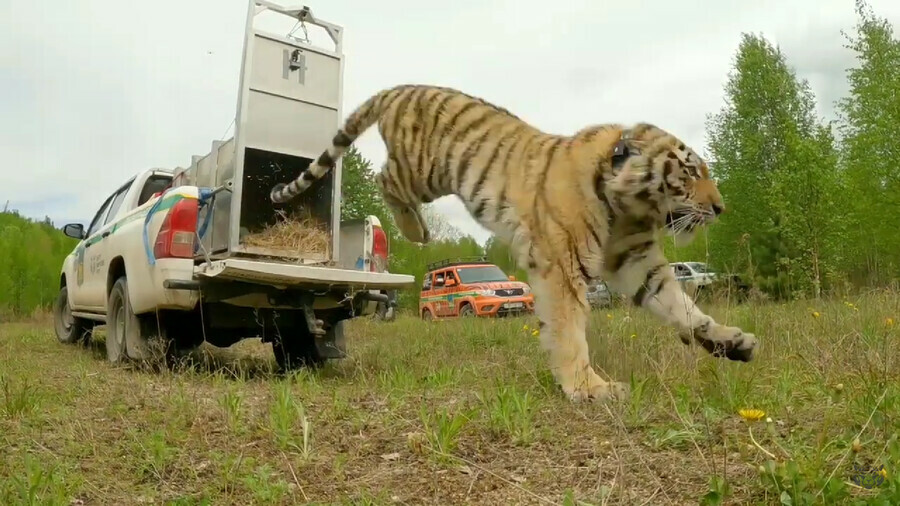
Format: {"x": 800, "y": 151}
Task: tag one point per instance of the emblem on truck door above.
{"x": 79, "y": 265}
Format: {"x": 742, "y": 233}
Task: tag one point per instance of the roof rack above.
{"x": 448, "y": 262}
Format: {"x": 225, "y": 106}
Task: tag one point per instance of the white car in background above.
{"x": 694, "y": 274}
{"x": 598, "y": 294}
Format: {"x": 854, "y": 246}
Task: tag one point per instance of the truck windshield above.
{"x": 701, "y": 268}
{"x": 484, "y": 274}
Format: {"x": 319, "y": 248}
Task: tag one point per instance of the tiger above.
{"x": 572, "y": 208}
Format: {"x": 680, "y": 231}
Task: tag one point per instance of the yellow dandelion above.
{"x": 525, "y": 327}
{"x": 816, "y": 314}
{"x": 633, "y": 336}
{"x": 535, "y": 332}
{"x": 752, "y": 415}
{"x": 883, "y": 473}
{"x": 889, "y": 322}
{"x": 609, "y": 316}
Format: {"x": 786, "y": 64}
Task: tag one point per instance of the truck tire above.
{"x": 296, "y": 350}
{"x": 387, "y": 311}
{"x": 130, "y": 336}
{"x": 384, "y": 312}
{"x": 119, "y": 320}
{"x": 69, "y": 329}
{"x": 466, "y": 311}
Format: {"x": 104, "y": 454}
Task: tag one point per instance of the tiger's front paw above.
{"x": 595, "y": 389}
{"x": 721, "y": 341}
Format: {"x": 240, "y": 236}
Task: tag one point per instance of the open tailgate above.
{"x": 280, "y": 274}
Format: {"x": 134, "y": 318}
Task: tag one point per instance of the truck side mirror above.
{"x": 512, "y": 278}
{"x": 74, "y": 230}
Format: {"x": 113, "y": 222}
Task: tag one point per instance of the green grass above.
{"x": 466, "y": 412}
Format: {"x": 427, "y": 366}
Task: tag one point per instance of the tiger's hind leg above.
{"x": 563, "y": 312}
{"x": 408, "y": 217}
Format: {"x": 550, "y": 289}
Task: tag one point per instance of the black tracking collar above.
{"x": 620, "y": 154}
{"x": 621, "y": 151}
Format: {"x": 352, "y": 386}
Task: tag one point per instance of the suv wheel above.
{"x": 466, "y": 311}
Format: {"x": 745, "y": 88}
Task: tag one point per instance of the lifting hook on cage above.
{"x": 303, "y": 15}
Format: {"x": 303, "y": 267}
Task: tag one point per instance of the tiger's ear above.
{"x": 704, "y": 170}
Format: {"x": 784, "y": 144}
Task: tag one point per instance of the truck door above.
{"x": 97, "y": 251}
{"x": 79, "y": 287}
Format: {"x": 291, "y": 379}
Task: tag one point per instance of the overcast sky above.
{"x": 94, "y": 91}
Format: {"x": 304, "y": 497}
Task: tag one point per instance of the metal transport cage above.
{"x": 288, "y": 109}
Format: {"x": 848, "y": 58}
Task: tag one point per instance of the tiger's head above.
{"x": 657, "y": 175}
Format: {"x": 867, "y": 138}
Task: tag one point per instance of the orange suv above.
{"x": 476, "y": 287}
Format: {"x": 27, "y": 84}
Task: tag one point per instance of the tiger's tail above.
{"x": 358, "y": 122}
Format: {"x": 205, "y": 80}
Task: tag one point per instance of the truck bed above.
{"x": 285, "y": 275}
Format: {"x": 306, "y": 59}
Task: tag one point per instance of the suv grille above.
{"x": 509, "y": 292}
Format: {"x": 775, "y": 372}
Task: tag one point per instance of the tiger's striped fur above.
{"x": 588, "y": 205}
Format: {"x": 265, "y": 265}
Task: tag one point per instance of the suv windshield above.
{"x": 701, "y": 268}
{"x": 484, "y": 274}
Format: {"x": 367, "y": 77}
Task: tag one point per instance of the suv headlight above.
{"x": 487, "y": 293}
{"x": 526, "y": 290}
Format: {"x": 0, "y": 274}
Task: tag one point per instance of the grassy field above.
{"x": 462, "y": 412}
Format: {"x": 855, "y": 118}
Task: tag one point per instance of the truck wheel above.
{"x": 380, "y": 311}
{"x": 466, "y": 311}
{"x": 385, "y": 313}
{"x": 426, "y": 315}
{"x": 69, "y": 329}
{"x": 128, "y": 336}
{"x": 296, "y": 350}
{"x": 118, "y": 321}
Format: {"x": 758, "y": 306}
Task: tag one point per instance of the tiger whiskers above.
{"x": 681, "y": 223}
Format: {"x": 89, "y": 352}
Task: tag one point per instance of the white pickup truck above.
{"x": 165, "y": 255}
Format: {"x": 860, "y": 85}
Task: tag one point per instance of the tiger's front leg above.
{"x": 648, "y": 279}
{"x": 562, "y": 310}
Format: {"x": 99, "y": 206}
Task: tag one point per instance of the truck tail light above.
{"x": 379, "y": 249}
{"x": 178, "y": 230}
